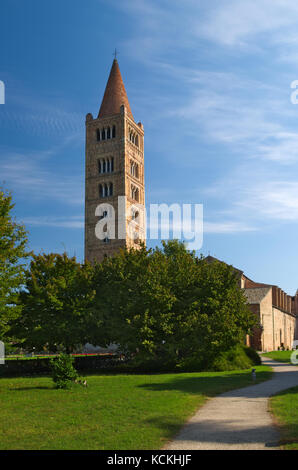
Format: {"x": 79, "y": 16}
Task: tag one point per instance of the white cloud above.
{"x": 182, "y": 225}
{"x": 273, "y": 200}
{"x": 257, "y": 196}
{"x": 28, "y": 175}
{"x": 248, "y": 113}
{"x": 228, "y": 227}
{"x": 246, "y": 25}
{"x": 73, "y": 222}
{"x": 27, "y": 111}
{"x": 235, "y": 23}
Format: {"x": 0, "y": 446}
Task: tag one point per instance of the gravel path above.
{"x": 238, "y": 419}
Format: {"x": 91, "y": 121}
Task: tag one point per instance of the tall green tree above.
{"x": 13, "y": 254}
{"x": 168, "y": 305}
{"x": 56, "y": 303}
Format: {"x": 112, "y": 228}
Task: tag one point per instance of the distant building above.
{"x": 275, "y": 310}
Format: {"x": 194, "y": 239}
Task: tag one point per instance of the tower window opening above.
{"x": 134, "y": 169}
{"x": 135, "y": 215}
{"x": 106, "y": 165}
{"x": 114, "y": 132}
{"x": 98, "y": 134}
{"x": 108, "y": 133}
{"x": 134, "y": 193}
{"x": 106, "y": 190}
{"x": 103, "y": 134}
{"x": 133, "y": 137}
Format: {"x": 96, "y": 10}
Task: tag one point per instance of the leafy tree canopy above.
{"x": 55, "y": 303}
{"x": 168, "y": 305}
{"x": 163, "y": 305}
{"x": 13, "y": 241}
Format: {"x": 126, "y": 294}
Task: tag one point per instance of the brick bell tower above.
{"x": 114, "y": 184}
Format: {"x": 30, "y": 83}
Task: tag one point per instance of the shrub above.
{"x": 253, "y": 355}
{"x": 63, "y": 372}
{"x": 30, "y": 366}
{"x": 238, "y": 357}
{"x": 195, "y": 363}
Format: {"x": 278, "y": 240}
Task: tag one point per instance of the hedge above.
{"x": 40, "y": 366}
{"x": 229, "y": 360}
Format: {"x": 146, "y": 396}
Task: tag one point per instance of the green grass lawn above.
{"x": 285, "y": 409}
{"x": 113, "y": 412}
{"x": 280, "y": 356}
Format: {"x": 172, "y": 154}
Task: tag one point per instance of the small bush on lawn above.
{"x": 62, "y": 371}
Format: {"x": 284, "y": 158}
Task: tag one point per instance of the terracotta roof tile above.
{"x": 114, "y": 95}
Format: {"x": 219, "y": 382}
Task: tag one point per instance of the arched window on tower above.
{"x": 106, "y": 165}
{"x": 108, "y": 133}
{"x": 135, "y": 215}
{"x": 114, "y": 132}
{"x": 134, "y": 193}
{"x": 103, "y": 134}
{"x": 98, "y": 134}
{"x": 134, "y": 169}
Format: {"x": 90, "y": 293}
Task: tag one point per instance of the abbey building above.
{"x": 115, "y": 201}
{"x": 276, "y": 312}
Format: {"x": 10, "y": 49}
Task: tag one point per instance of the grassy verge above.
{"x": 280, "y": 356}
{"x": 113, "y": 412}
{"x": 284, "y": 407}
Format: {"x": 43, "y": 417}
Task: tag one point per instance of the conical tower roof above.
{"x": 114, "y": 95}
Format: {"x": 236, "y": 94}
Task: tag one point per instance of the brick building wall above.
{"x": 277, "y": 324}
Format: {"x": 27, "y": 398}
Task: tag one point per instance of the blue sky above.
{"x": 210, "y": 81}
